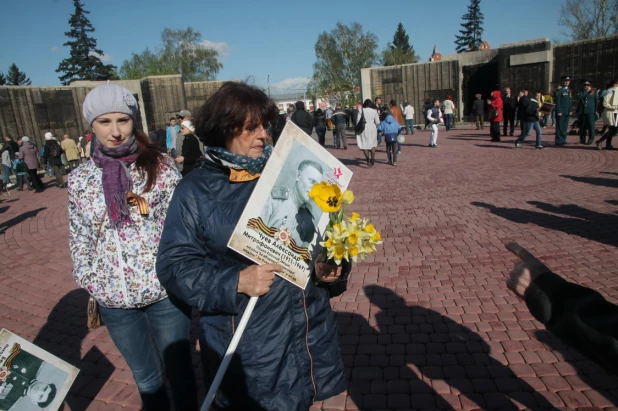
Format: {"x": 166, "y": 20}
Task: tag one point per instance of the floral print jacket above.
{"x": 120, "y": 272}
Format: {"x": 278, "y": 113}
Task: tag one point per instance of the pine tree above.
{"x": 401, "y": 40}
{"x": 84, "y": 63}
{"x": 2, "y": 79}
{"x": 399, "y": 51}
{"x": 471, "y": 34}
{"x": 14, "y": 77}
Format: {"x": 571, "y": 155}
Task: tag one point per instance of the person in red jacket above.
{"x": 495, "y": 115}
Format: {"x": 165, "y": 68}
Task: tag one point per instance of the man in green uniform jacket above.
{"x": 587, "y": 103}
{"x": 563, "y": 111}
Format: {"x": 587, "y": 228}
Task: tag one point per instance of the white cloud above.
{"x": 54, "y": 49}
{"x": 220, "y": 46}
{"x": 105, "y": 58}
{"x": 290, "y": 85}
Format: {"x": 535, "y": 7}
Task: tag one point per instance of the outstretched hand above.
{"x": 525, "y": 272}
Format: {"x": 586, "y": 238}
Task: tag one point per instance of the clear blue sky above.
{"x": 258, "y": 38}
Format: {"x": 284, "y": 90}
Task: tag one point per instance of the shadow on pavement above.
{"x": 597, "y": 181}
{"x": 411, "y": 345}
{"x": 581, "y": 367}
{"x": 585, "y": 223}
{"x": 63, "y": 335}
{"x": 510, "y": 147}
{"x": 16, "y": 220}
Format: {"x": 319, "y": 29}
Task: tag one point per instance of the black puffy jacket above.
{"x": 291, "y": 332}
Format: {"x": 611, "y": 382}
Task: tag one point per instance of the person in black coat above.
{"x": 478, "y": 111}
{"x": 277, "y": 125}
{"x": 522, "y": 104}
{"x": 302, "y": 119}
{"x": 509, "y": 107}
{"x": 52, "y": 155}
{"x": 289, "y": 355}
{"x": 579, "y": 316}
{"x": 190, "y": 148}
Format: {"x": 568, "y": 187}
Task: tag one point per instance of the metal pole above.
{"x": 229, "y": 354}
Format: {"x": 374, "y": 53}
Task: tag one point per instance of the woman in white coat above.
{"x": 368, "y": 139}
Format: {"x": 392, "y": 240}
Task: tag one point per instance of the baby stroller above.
{"x": 574, "y": 131}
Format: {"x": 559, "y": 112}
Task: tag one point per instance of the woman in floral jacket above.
{"x": 117, "y": 206}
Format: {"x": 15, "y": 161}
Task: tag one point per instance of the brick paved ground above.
{"x": 428, "y": 323}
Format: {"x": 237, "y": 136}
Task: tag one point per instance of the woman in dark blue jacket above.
{"x": 289, "y": 355}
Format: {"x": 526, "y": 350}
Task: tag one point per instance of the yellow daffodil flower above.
{"x": 354, "y": 217}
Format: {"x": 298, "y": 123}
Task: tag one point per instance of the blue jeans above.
{"x": 7, "y": 173}
{"x": 154, "y": 341}
{"x": 528, "y": 128}
{"x": 410, "y": 125}
{"x": 553, "y": 117}
{"x": 379, "y": 137}
{"x": 448, "y": 121}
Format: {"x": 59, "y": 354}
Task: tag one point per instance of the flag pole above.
{"x": 212, "y": 391}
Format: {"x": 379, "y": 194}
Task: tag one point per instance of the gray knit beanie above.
{"x": 109, "y": 98}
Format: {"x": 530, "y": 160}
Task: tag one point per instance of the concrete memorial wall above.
{"x": 32, "y": 111}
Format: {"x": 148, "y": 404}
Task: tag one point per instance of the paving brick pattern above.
{"x": 427, "y": 323}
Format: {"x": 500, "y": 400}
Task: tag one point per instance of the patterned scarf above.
{"x": 117, "y": 181}
{"x": 252, "y": 165}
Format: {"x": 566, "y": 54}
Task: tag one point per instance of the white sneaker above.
{"x": 11, "y": 185}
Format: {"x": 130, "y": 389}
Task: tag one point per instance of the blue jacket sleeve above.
{"x": 185, "y": 266}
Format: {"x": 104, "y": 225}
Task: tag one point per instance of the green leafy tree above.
{"x": 2, "y": 79}
{"x": 181, "y": 52}
{"x": 588, "y": 19}
{"x": 472, "y": 32}
{"x": 14, "y": 77}
{"x": 399, "y": 51}
{"x": 84, "y": 62}
{"x": 340, "y": 55}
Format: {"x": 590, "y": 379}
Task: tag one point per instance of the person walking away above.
{"x": 610, "y": 115}
{"x": 434, "y": 116}
{"x": 30, "y": 154}
{"x": 563, "y": 111}
{"x": 367, "y": 140}
{"x": 171, "y": 137}
{"x": 339, "y": 121}
{"x": 302, "y": 119}
{"x": 397, "y": 114}
{"x": 509, "y": 107}
{"x": 408, "y": 114}
{"x": 522, "y": 103}
{"x": 448, "y": 108}
{"x": 6, "y": 168}
{"x": 117, "y": 206}
{"x": 320, "y": 126}
{"x": 391, "y": 129}
{"x": 190, "y": 148}
{"x": 21, "y": 171}
{"x": 70, "y": 151}
{"x": 52, "y": 155}
{"x": 495, "y": 115}
{"x": 531, "y": 117}
{"x": 478, "y": 111}
{"x": 587, "y": 103}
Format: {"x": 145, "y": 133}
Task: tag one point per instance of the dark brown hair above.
{"x": 149, "y": 161}
{"x": 233, "y": 107}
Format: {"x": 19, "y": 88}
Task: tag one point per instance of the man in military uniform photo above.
{"x": 587, "y": 103}
{"x": 291, "y": 207}
{"x": 22, "y": 384}
{"x": 563, "y": 111}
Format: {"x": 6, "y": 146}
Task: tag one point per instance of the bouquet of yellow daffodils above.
{"x": 346, "y": 238}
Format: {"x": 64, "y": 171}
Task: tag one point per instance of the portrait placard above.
{"x": 281, "y": 224}
{"x": 30, "y": 377}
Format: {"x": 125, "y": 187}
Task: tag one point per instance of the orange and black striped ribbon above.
{"x": 139, "y": 201}
{"x": 14, "y": 351}
{"x": 258, "y": 224}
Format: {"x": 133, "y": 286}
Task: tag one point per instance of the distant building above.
{"x": 484, "y": 46}
{"x": 436, "y": 56}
